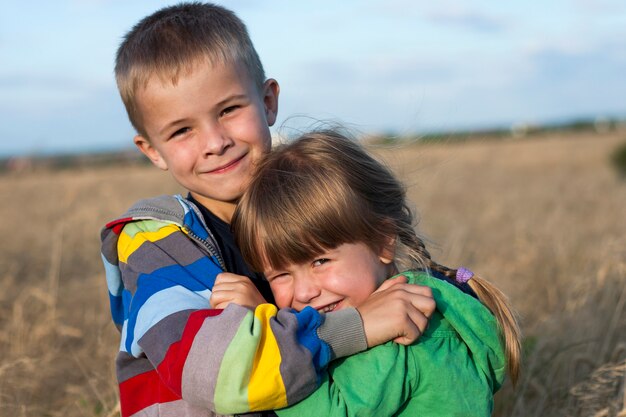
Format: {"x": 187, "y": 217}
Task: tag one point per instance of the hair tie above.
{"x": 463, "y": 275}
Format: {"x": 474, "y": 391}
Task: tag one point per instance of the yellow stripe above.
{"x": 266, "y": 390}
{"x": 130, "y": 240}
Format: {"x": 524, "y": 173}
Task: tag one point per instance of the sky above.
{"x": 379, "y": 66}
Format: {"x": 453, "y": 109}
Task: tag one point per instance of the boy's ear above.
{"x": 150, "y": 151}
{"x": 271, "y": 90}
{"x": 388, "y": 251}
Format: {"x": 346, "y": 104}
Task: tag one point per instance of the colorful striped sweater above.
{"x": 178, "y": 356}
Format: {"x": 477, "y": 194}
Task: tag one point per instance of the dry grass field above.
{"x": 542, "y": 217}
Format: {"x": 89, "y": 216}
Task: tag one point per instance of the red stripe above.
{"x": 214, "y": 312}
{"x": 171, "y": 367}
{"x": 118, "y": 225}
{"x": 163, "y": 384}
{"x": 142, "y": 391}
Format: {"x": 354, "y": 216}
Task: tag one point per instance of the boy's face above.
{"x": 338, "y": 278}
{"x": 209, "y": 129}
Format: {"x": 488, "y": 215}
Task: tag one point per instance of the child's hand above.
{"x": 233, "y": 288}
{"x": 396, "y": 311}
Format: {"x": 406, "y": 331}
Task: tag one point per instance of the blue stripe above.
{"x": 192, "y": 221}
{"x": 309, "y": 320}
{"x": 116, "y": 288}
{"x": 196, "y": 277}
{"x": 127, "y": 297}
{"x": 123, "y": 338}
{"x": 113, "y": 276}
{"x": 117, "y": 309}
{"x": 157, "y": 307}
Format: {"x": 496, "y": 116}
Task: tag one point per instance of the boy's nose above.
{"x": 215, "y": 141}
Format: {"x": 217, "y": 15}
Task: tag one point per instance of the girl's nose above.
{"x": 305, "y": 289}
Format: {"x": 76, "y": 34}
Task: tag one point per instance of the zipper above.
{"x": 211, "y": 247}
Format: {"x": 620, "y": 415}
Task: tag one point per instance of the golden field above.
{"x": 543, "y": 217}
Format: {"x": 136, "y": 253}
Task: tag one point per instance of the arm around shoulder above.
{"x": 201, "y": 354}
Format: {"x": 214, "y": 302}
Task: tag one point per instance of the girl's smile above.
{"x": 338, "y": 278}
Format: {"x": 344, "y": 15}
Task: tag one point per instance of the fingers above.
{"x": 398, "y": 312}
{"x": 391, "y": 282}
{"x": 413, "y": 328}
{"x": 225, "y": 277}
{"x": 420, "y": 297}
{"x": 220, "y": 298}
{"x": 232, "y": 288}
{"x": 414, "y": 289}
{"x": 225, "y": 289}
{"x": 226, "y": 281}
{"x": 222, "y": 305}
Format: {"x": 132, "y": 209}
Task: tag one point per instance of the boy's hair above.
{"x": 173, "y": 40}
{"x": 323, "y": 190}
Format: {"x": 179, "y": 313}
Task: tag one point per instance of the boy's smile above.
{"x": 208, "y": 128}
{"x": 339, "y": 278}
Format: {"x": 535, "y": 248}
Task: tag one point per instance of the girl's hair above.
{"x": 323, "y": 190}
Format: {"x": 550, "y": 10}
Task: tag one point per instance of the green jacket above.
{"x": 452, "y": 370}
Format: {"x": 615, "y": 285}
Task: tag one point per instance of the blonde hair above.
{"x": 173, "y": 41}
{"x": 323, "y": 190}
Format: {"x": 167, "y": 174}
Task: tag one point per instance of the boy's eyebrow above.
{"x": 170, "y": 125}
{"x": 231, "y": 98}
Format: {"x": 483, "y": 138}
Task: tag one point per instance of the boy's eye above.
{"x": 320, "y": 262}
{"x": 180, "y": 131}
{"x": 228, "y": 110}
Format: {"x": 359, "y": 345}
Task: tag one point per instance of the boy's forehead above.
{"x": 202, "y": 82}
{"x": 167, "y": 77}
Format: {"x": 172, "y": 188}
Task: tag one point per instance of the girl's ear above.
{"x": 388, "y": 251}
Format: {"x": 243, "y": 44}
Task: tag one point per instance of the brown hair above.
{"x": 323, "y": 190}
{"x": 173, "y": 41}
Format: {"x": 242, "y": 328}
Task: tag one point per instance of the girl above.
{"x": 327, "y": 224}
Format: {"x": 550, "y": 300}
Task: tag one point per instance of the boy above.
{"x": 195, "y": 91}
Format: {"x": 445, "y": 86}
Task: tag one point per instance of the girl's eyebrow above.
{"x": 271, "y": 272}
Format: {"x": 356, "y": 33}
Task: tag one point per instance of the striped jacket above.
{"x": 178, "y": 357}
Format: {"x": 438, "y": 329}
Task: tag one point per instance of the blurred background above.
{"x": 389, "y": 66}
{"x": 507, "y": 122}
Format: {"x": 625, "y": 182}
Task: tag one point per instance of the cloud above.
{"x": 604, "y": 61}
{"x": 39, "y": 93}
{"x": 466, "y": 19}
{"x": 95, "y": 120}
{"x": 376, "y": 72}
{"x": 45, "y": 80}
{"x": 600, "y": 7}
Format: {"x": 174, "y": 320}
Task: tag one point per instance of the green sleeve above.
{"x": 373, "y": 383}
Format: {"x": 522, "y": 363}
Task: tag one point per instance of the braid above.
{"x": 420, "y": 249}
{"x": 412, "y": 252}
{"x": 487, "y": 293}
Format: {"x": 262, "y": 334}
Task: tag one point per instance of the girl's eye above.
{"x": 320, "y": 262}
{"x": 277, "y": 277}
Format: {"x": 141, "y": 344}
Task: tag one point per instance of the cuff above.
{"x": 343, "y": 331}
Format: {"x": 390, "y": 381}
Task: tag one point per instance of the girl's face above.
{"x": 338, "y": 278}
